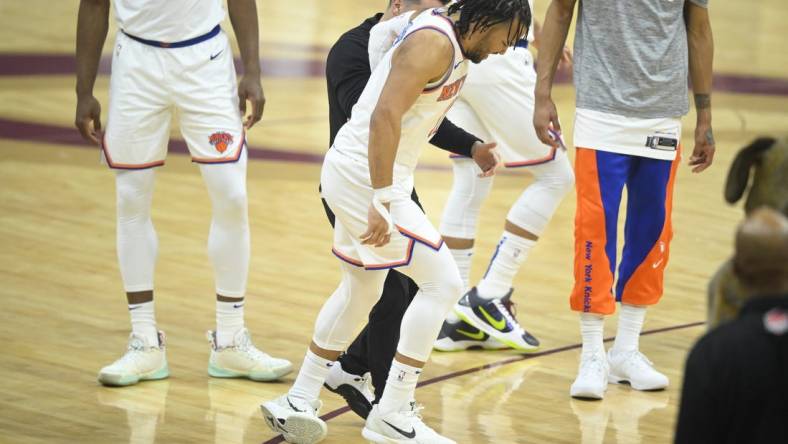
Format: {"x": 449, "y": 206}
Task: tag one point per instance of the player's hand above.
{"x": 486, "y": 156}
{"x": 88, "y": 118}
{"x": 377, "y": 233}
{"x": 250, "y": 89}
{"x": 545, "y": 120}
{"x": 703, "y": 153}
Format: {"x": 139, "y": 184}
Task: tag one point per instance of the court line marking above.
{"x": 47, "y": 64}
{"x": 69, "y": 138}
{"x": 342, "y": 410}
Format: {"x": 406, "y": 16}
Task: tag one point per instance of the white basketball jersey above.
{"x": 422, "y": 120}
{"x": 168, "y": 20}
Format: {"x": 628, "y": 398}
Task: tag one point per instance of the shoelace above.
{"x": 502, "y": 307}
{"x": 134, "y": 353}
{"x": 415, "y": 410}
{"x": 245, "y": 346}
{"x": 511, "y": 307}
{"x": 595, "y": 365}
{"x": 639, "y": 359}
{"x": 366, "y": 382}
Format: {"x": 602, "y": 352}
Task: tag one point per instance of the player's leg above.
{"x": 468, "y": 192}
{"x": 349, "y": 377}
{"x": 233, "y": 355}
{"x": 525, "y": 223}
{"x": 137, "y": 247}
{"x": 458, "y": 228}
{"x": 134, "y": 142}
{"x": 488, "y": 305}
{"x": 600, "y": 180}
{"x": 440, "y": 286}
{"x": 295, "y": 413}
{"x": 205, "y": 93}
{"x": 374, "y": 348}
{"x": 501, "y": 96}
{"x": 647, "y": 233}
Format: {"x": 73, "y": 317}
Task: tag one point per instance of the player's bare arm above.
{"x": 551, "y": 49}
{"x": 409, "y": 75}
{"x": 243, "y": 16}
{"x": 566, "y": 56}
{"x": 92, "y": 25}
{"x": 701, "y": 55}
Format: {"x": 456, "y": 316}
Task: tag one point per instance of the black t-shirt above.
{"x": 736, "y": 379}
{"x": 347, "y": 73}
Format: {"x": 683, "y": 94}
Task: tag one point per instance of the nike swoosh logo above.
{"x": 497, "y": 324}
{"x": 656, "y": 264}
{"x": 216, "y": 55}
{"x": 238, "y": 305}
{"x": 409, "y": 435}
{"x": 134, "y": 308}
{"x": 294, "y": 407}
{"x": 478, "y": 335}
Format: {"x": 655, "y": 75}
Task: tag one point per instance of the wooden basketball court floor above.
{"x": 63, "y": 312}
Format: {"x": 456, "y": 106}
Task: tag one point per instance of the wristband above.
{"x": 381, "y": 209}
{"x": 385, "y": 194}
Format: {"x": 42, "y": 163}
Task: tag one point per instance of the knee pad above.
{"x": 560, "y": 176}
{"x": 231, "y": 205}
{"x": 536, "y": 205}
{"x": 134, "y": 191}
{"x": 468, "y": 192}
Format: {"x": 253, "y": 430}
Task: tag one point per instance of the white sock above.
{"x": 505, "y": 263}
{"x": 143, "y": 322}
{"x": 630, "y": 324}
{"x": 400, "y": 387}
{"x": 463, "y": 259}
{"x": 592, "y": 329}
{"x": 229, "y": 320}
{"x": 311, "y": 377}
{"x": 452, "y": 317}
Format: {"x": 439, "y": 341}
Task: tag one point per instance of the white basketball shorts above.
{"x": 348, "y": 192}
{"x": 149, "y": 83}
{"x": 497, "y": 105}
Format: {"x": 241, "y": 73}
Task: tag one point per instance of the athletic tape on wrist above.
{"x": 384, "y": 195}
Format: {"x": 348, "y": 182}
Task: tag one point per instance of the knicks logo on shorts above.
{"x": 221, "y": 141}
{"x": 451, "y": 90}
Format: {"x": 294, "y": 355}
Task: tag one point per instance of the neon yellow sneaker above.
{"x": 464, "y": 336}
{"x": 496, "y": 318}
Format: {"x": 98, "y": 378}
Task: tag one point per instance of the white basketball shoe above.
{"x": 141, "y": 362}
{"x": 591, "y": 381}
{"x": 243, "y": 360}
{"x": 634, "y": 367}
{"x": 296, "y": 419}
{"x": 404, "y": 427}
{"x": 353, "y": 388}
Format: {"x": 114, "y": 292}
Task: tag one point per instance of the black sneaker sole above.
{"x": 355, "y": 399}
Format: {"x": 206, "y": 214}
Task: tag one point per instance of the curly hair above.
{"x": 478, "y": 15}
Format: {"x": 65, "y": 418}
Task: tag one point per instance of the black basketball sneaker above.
{"x": 355, "y": 389}
{"x": 464, "y": 336}
{"x": 495, "y": 317}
